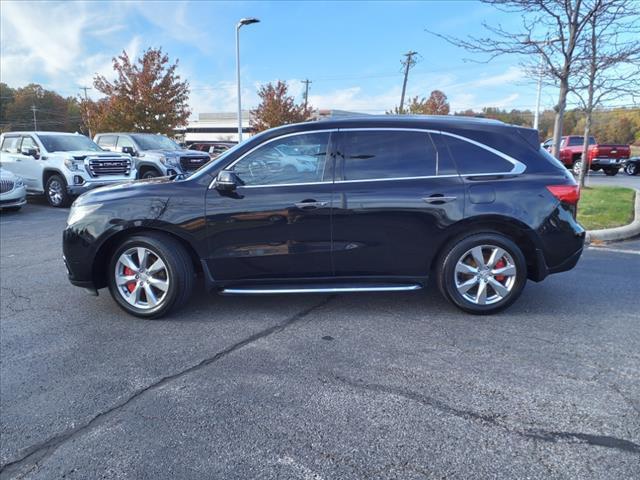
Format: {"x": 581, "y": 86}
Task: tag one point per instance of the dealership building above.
{"x": 223, "y": 126}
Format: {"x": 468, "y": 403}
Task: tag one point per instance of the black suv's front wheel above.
{"x": 150, "y": 274}
{"x": 482, "y": 273}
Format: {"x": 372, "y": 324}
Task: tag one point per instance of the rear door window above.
{"x": 472, "y": 159}
{"x": 384, "y": 154}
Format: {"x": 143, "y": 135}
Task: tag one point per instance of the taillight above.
{"x": 565, "y": 193}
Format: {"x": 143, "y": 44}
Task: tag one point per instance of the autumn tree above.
{"x": 147, "y": 96}
{"x": 277, "y": 108}
{"x": 436, "y": 104}
{"x": 546, "y": 42}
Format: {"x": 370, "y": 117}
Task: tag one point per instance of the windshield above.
{"x": 215, "y": 164}
{"x": 68, "y": 143}
{"x": 155, "y": 142}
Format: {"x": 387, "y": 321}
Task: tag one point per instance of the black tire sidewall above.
{"x": 610, "y": 172}
{"x": 169, "y": 260}
{"x": 66, "y": 198}
{"x": 446, "y": 273}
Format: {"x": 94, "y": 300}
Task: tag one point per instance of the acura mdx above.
{"x": 383, "y": 204}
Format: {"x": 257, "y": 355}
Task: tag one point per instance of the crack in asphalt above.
{"x": 493, "y": 420}
{"x": 35, "y": 454}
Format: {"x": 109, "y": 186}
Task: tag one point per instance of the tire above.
{"x": 611, "y": 172}
{"x": 461, "y": 250}
{"x": 631, "y": 169}
{"x": 176, "y": 274}
{"x": 151, "y": 173}
{"x": 576, "y": 167}
{"x": 56, "y": 192}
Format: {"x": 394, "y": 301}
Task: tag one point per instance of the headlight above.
{"x": 172, "y": 161}
{"x": 72, "y": 164}
{"x": 78, "y": 212}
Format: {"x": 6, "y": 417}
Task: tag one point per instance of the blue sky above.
{"x": 351, "y": 51}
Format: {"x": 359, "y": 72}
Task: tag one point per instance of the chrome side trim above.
{"x": 270, "y": 291}
{"x": 518, "y": 167}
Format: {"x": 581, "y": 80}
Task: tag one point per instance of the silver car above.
{"x": 13, "y": 193}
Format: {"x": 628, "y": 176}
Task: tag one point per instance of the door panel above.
{"x": 393, "y": 228}
{"x": 270, "y": 232}
{"x": 30, "y": 167}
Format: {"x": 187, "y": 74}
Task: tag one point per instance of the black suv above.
{"x": 362, "y": 204}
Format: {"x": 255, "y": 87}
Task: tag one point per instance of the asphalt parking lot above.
{"x": 351, "y": 386}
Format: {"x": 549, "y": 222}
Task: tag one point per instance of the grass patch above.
{"x": 605, "y": 207}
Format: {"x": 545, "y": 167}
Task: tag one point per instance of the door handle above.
{"x": 439, "y": 199}
{"x": 310, "y": 204}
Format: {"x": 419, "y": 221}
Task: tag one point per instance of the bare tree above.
{"x": 550, "y": 30}
{"x": 609, "y": 61}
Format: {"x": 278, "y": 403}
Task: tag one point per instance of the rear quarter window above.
{"x": 10, "y": 144}
{"x": 472, "y": 159}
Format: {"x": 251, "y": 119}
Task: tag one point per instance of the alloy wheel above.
{"x": 55, "y": 192}
{"x": 631, "y": 168}
{"x": 577, "y": 166}
{"x": 142, "y": 278}
{"x": 485, "y": 274}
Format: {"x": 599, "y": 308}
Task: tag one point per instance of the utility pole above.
{"x": 35, "y": 122}
{"x": 408, "y": 63}
{"x": 306, "y": 92}
{"x": 86, "y": 109}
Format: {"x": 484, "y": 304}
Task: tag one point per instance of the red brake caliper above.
{"x": 500, "y": 264}
{"x": 132, "y": 284}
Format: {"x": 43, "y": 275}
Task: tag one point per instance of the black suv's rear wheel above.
{"x": 482, "y": 273}
{"x": 150, "y": 275}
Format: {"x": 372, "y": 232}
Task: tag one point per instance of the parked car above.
{"x": 609, "y": 158}
{"x": 62, "y": 165}
{"x": 13, "y": 193}
{"x": 632, "y": 166}
{"x": 214, "y": 149}
{"x": 155, "y": 155}
{"x": 475, "y": 204}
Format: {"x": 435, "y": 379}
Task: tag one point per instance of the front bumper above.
{"x": 77, "y": 189}
{"x": 15, "y": 198}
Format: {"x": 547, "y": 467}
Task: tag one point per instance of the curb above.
{"x": 618, "y": 233}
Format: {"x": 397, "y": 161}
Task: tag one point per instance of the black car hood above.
{"x": 132, "y": 189}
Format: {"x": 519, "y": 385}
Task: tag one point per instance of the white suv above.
{"x": 155, "y": 155}
{"x": 61, "y": 165}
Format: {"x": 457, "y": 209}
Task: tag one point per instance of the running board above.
{"x": 320, "y": 289}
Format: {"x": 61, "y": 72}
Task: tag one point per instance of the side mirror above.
{"x": 31, "y": 152}
{"x": 227, "y": 181}
{"x": 129, "y": 150}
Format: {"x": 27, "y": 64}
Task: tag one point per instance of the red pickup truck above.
{"x": 609, "y": 158}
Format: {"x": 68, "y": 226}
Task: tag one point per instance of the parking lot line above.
{"x": 616, "y": 250}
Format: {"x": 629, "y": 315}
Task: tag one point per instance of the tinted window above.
{"x": 575, "y": 141}
{"x": 10, "y": 144}
{"x": 149, "y": 141}
{"x": 107, "y": 141}
{"x": 472, "y": 159}
{"x": 387, "y": 154}
{"x": 68, "y": 143}
{"x": 295, "y": 159}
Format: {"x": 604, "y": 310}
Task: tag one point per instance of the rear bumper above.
{"x": 608, "y": 162}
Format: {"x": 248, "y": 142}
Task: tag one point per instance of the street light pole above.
{"x": 244, "y": 21}
{"x": 536, "y": 117}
